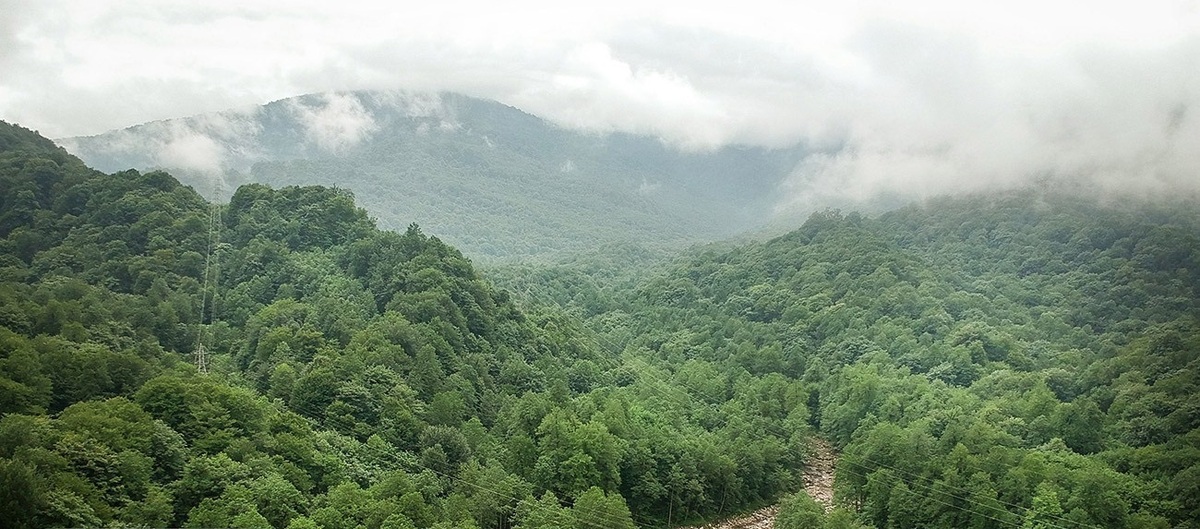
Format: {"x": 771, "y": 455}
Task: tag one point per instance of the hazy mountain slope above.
{"x": 490, "y": 178}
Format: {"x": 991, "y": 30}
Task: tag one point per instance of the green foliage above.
{"x": 594, "y": 508}
{"x": 545, "y": 513}
{"x": 961, "y": 354}
{"x": 978, "y": 362}
{"x": 799, "y": 511}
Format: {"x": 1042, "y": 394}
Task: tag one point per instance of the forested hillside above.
{"x": 488, "y": 178}
{"x": 356, "y": 377}
{"x": 1018, "y": 360}
{"x": 994, "y": 361}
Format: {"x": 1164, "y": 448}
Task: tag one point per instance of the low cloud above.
{"x": 336, "y": 122}
{"x": 941, "y": 117}
{"x": 215, "y": 144}
{"x": 899, "y": 101}
{"x": 595, "y": 90}
{"x": 195, "y": 152}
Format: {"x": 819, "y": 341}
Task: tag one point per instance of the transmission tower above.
{"x": 211, "y": 274}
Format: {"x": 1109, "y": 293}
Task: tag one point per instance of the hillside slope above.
{"x": 989, "y": 361}
{"x": 355, "y": 377}
{"x": 984, "y": 361}
{"x": 488, "y": 178}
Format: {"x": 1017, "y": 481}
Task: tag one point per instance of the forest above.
{"x": 1020, "y": 359}
{"x": 496, "y": 182}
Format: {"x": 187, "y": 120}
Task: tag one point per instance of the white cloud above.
{"x": 924, "y": 96}
{"x": 594, "y": 90}
{"x": 943, "y": 116}
{"x": 195, "y": 152}
{"x": 336, "y": 123}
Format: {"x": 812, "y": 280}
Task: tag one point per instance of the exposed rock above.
{"x": 761, "y": 519}
{"x": 818, "y": 483}
{"x": 818, "y": 472}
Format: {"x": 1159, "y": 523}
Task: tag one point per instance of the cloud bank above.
{"x": 907, "y": 101}
{"x": 943, "y": 115}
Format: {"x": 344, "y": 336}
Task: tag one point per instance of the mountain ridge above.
{"x": 462, "y": 166}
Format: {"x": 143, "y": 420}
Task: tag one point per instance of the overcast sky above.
{"x": 921, "y": 96}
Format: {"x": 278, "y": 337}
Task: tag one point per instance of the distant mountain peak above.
{"x": 296, "y": 127}
{"x": 494, "y": 179}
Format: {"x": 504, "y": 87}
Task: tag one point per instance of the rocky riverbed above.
{"x": 818, "y": 483}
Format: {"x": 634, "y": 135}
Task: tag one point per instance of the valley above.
{"x": 1020, "y": 358}
{"x": 630, "y": 265}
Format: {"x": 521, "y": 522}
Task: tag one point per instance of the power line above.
{"x": 406, "y": 463}
{"x": 659, "y": 386}
{"x": 211, "y": 266}
{"x": 930, "y": 488}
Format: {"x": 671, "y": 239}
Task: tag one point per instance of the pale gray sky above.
{"x": 923, "y": 95}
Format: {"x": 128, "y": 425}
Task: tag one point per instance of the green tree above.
{"x": 1046, "y": 512}
{"x": 595, "y": 508}
{"x": 800, "y": 511}
{"x": 574, "y": 456}
{"x": 545, "y": 513}
{"x": 21, "y": 496}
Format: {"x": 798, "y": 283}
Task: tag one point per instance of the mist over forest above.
{"x": 456, "y": 266}
{"x": 492, "y": 180}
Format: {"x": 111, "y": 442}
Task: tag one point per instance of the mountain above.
{"x": 489, "y": 178}
{"x": 997, "y": 360}
{"x": 355, "y": 373}
{"x": 354, "y": 377}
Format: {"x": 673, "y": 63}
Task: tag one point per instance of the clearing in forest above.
{"x": 818, "y": 483}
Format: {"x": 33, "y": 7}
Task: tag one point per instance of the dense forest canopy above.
{"x": 978, "y": 360}
{"x": 1022, "y": 359}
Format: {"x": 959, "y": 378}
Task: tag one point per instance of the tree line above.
{"x": 986, "y": 361}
